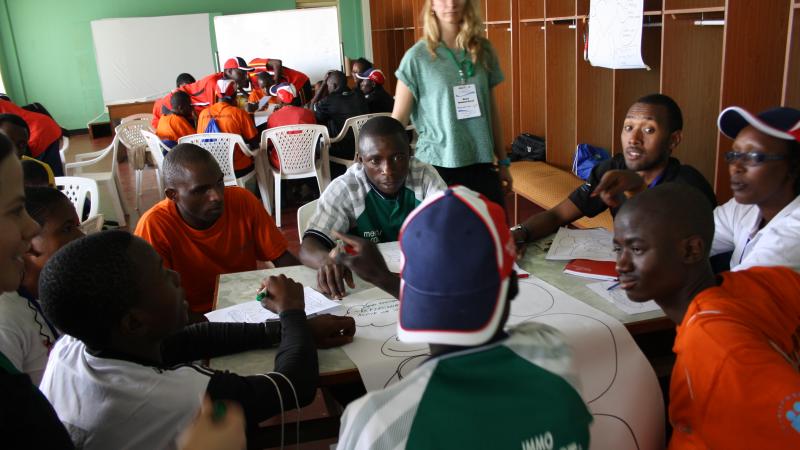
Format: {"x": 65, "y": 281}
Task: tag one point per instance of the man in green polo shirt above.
{"x": 371, "y": 200}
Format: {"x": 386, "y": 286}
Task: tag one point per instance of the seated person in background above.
{"x": 16, "y": 129}
{"x": 357, "y": 66}
{"x": 184, "y": 79}
{"x": 521, "y": 385}
{"x": 651, "y": 131}
{"x": 205, "y": 91}
{"x": 36, "y": 174}
{"x": 125, "y": 378}
{"x": 179, "y": 122}
{"x": 203, "y": 228}
{"x": 335, "y": 103}
{"x": 286, "y": 114}
{"x": 258, "y": 90}
{"x": 371, "y": 85}
{"x": 26, "y": 336}
{"x": 761, "y": 223}
{"x": 278, "y": 73}
{"x": 735, "y": 383}
{"x": 371, "y": 200}
{"x": 231, "y": 119}
{"x": 44, "y": 136}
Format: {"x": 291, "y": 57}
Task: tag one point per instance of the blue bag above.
{"x": 212, "y": 126}
{"x": 586, "y": 157}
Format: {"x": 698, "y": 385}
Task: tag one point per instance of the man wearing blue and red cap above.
{"x": 370, "y": 82}
{"x": 482, "y": 387}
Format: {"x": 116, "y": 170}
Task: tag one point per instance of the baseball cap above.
{"x": 237, "y": 63}
{"x": 375, "y": 75}
{"x": 782, "y": 123}
{"x": 458, "y": 256}
{"x": 284, "y": 91}
{"x": 226, "y": 87}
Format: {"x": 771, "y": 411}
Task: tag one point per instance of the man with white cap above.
{"x": 287, "y": 114}
{"x": 482, "y": 387}
{"x": 761, "y": 223}
{"x": 230, "y": 119}
{"x": 370, "y": 82}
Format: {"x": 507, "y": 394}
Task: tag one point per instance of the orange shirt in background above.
{"x": 173, "y": 127}
{"x": 44, "y": 130}
{"x": 244, "y": 234}
{"x": 203, "y": 93}
{"x": 735, "y": 384}
{"x": 230, "y": 119}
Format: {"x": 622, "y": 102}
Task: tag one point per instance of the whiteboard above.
{"x": 139, "y": 58}
{"x": 304, "y": 39}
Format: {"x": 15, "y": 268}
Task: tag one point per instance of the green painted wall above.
{"x": 47, "y": 54}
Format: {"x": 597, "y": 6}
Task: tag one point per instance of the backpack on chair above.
{"x": 586, "y": 157}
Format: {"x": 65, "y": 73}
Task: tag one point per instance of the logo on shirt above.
{"x": 373, "y": 235}
{"x": 544, "y": 441}
{"x": 789, "y": 412}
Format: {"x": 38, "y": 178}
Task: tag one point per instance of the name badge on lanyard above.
{"x": 466, "y": 98}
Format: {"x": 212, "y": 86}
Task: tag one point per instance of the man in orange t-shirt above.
{"x": 204, "y": 229}
{"x": 735, "y": 384}
{"x": 231, "y": 119}
{"x": 179, "y": 122}
{"x": 44, "y": 139}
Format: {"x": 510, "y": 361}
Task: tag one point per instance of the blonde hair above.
{"x": 469, "y": 38}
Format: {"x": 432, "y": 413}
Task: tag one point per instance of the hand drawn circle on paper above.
{"x": 532, "y": 300}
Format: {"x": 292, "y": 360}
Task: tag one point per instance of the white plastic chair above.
{"x": 93, "y": 225}
{"x": 77, "y": 189}
{"x": 129, "y": 135}
{"x": 142, "y": 116}
{"x": 157, "y": 150}
{"x": 296, "y": 146}
{"x": 304, "y": 214}
{"x": 63, "y": 150}
{"x": 355, "y": 123}
{"x": 101, "y": 166}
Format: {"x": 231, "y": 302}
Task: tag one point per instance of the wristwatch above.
{"x": 522, "y": 227}
{"x": 505, "y": 162}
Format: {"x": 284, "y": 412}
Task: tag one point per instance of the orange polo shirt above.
{"x": 230, "y": 119}
{"x": 735, "y": 384}
{"x": 44, "y": 130}
{"x": 173, "y": 127}
{"x": 244, "y": 234}
{"x": 203, "y": 93}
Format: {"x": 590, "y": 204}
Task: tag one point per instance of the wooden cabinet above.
{"x": 749, "y": 57}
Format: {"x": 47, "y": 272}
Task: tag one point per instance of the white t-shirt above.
{"x": 777, "y": 244}
{"x": 114, "y": 404}
{"x": 25, "y": 337}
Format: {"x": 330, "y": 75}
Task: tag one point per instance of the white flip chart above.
{"x": 615, "y": 34}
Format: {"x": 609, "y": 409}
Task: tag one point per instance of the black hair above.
{"x": 6, "y": 147}
{"x": 14, "y": 120}
{"x": 179, "y": 157}
{"x": 383, "y": 126}
{"x": 341, "y": 78}
{"x": 34, "y": 173}
{"x": 674, "y": 115}
{"x": 178, "y": 98}
{"x": 678, "y": 207}
{"x": 39, "y": 202}
{"x": 363, "y": 61}
{"x": 184, "y": 78}
{"x": 89, "y": 285}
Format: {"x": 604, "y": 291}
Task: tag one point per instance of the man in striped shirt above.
{"x": 482, "y": 387}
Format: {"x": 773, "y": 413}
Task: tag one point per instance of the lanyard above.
{"x": 465, "y": 68}
{"x": 655, "y": 181}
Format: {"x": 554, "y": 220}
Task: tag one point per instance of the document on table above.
{"x": 253, "y": 312}
{"x": 594, "y": 244}
{"x": 615, "y": 34}
{"x": 392, "y": 255}
{"x": 620, "y": 299}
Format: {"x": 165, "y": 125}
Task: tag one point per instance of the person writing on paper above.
{"x": 761, "y": 223}
{"x": 650, "y": 133}
{"x": 457, "y": 288}
{"x": 371, "y": 200}
{"x": 231, "y": 119}
{"x": 258, "y": 99}
{"x": 204, "y": 228}
{"x": 445, "y": 86}
{"x": 125, "y": 378}
{"x": 738, "y": 334}
{"x": 179, "y": 122}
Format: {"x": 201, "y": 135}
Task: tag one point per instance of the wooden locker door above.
{"x": 500, "y": 37}
{"x": 532, "y": 78}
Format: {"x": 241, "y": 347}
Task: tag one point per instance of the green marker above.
{"x": 262, "y": 294}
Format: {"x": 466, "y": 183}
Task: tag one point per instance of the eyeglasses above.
{"x": 752, "y": 158}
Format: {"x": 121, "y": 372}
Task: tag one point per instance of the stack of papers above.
{"x": 253, "y": 312}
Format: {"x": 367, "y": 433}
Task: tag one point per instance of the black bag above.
{"x": 527, "y": 147}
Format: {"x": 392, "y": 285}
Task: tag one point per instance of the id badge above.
{"x": 466, "y": 98}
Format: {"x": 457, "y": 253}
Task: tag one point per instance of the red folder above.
{"x": 598, "y": 270}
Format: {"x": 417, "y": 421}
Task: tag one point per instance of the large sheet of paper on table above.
{"x": 253, "y": 312}
{"x": 594, "y": 244}
{"x": 615, "y": 34}
{"x": 618, "y": 384}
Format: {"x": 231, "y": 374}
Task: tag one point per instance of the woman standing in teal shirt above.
{"x": 444, "y": 85}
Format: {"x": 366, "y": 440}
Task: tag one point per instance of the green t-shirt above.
{"x": 444, "y": 140}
